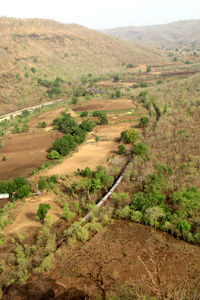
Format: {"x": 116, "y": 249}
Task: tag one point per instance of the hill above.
{"x": 33, "y": 49}
{"x": 176, "y": 34}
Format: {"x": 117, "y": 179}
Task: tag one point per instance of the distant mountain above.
{"x": 176, "y": 34}
{"x": 34, "y": 48}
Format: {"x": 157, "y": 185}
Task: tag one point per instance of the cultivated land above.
{"x": 144, "y": 241}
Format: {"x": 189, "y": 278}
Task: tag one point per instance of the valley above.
{"x": 126, "y": 110}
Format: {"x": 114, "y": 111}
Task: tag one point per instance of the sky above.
{"x": 103, "y": 14}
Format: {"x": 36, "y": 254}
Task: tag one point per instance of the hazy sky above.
{"x": 100, "y": 14}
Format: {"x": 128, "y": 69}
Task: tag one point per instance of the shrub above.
{"x": 87, "y": 125}
{"x": 53, "y": 155}
{"x": 42, "y": 124}
{"x": 148, "y": 69}
{"x": 64, "y": 145}
{"x": 52, "y": 179}
{"x": 20, "y": 181}
{"x": 184, "y": 226}
{"x": 103, "y": 120}
{"x": 154, "y": 215}
{"x": 84, "y": 114}
{"x": 143, "y": 200}
{"x": 23, "y": 191}
{"x": 74, "y": 100}
{"x": 42, "y": 211}
{"x": 121, "y": 149}
{"x": 67, "y": 214}
{"x": 123, "y": 213}
{"x": 3, "y": 158}
{"x": 129, "y": 136}
{"x": 33, "y": 70}
{"x": 41, "y": 184}
{"x": 143, "y": 121}
{"x": 118, "y": 93}
{"x": 116, "y": 78}
{"x": 87, "y": 172}
{"x": 136, "y": 216}
{"x": 82, "y": 234}
{"x": 140, "y": 149}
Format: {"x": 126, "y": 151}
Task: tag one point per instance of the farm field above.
{"x": 27, "y": 151}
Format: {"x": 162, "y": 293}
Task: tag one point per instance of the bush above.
{"x": 143, "y": 200}
{"x": 129, "y": 136}
{"x": 20, "y": 181}
{"x": 154, "y": 215}
{"x": 123, "y": 213}
{"x": 118, "y": 93}
{"x": 184, "y": 226}
{"x": 52, "y": 179}
{"x": 148, "y": 69}
{"x": 82, "y": 234}
{"x": 140, "y": 149}
{"x": 3, "y": 158}
{"x": 42, "y": 124}
{"x": 41, "y": 184}
{"x": 143, "y": 121}
{"x": 121, "y": 149}
{"x": 86, "y": 125}
{"x": 67, "y": 214}
{"x": 23, "y": 191}
{"x": 53, "y": 155}
{"x": 116, "y": 78}
{"x": 64, "y": 145}
{"x": 84, "y": 114}
{"x": 42, "y": 211}
{"x": 136, "y": 216}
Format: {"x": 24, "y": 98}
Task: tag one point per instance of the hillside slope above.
{"x": 176, "y": 34}
{"x": 32, "y": 49}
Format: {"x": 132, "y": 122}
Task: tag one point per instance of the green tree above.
{"x": 140, "y": 149}
{"x": 41, "y": 184}
{"x": 121, "y": 149}
{"x": 84, "y": 114}
{"x": 23, "y": 191}
{"x": 64, "y": 145}
{"x": 42, "y": 211}
{"x": 143, "y": 121}
{"x": 148, "y": 69}
{"x": 129, "y": 136}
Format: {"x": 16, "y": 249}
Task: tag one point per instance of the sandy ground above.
{"x": 26, "y": 219}
{"x": 91, "y": 153}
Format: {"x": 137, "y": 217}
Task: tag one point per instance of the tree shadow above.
{"x": 32, "y": 217}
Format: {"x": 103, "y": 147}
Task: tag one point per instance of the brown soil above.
{"x": 108, "y": 104}
{"x": 132, "y": 244}
{"x": 27, "y": 151}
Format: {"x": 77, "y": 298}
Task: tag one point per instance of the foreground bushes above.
{"x": 176, "y": 213}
